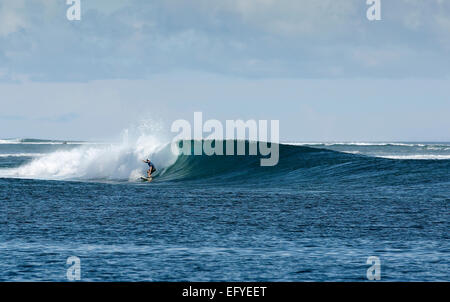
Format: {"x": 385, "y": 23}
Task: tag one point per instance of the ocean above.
{"x": 316, "y": 216}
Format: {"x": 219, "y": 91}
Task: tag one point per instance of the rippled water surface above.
{"x": 317, "y": 217}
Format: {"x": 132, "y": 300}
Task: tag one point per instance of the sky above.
{"x": 319, "y": 66}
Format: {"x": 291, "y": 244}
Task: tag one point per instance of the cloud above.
{"x": 281, "y": 17}
{"x": 250, "y": 38}
{"x": 12, "y": 16}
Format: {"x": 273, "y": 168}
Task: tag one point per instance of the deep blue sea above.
{"x": 316, "y": 216}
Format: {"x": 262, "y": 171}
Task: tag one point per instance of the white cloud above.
{"x": 12, "y": 16}
{"x": 263, "y": 38}
{"x": 284, "y": 17}
{"x": 298, "y": 17}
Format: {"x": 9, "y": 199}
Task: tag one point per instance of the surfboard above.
{"x": 146, "y": 179}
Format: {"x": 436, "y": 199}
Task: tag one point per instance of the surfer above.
{"x": 151, "y": 168}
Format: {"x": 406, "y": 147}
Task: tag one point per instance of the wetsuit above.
{"x": 150, "y": 164}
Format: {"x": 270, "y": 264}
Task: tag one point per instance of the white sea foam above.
{"x": 359, "y": 144}
{"x": 417, "y": 156}
{"x": 119, "y": 161}
{"x": 10, "y": 142}
{"x": 21, "y": 155}
{"x": 352, "y": 152}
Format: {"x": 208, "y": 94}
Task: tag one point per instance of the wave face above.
{"x": 305, "y": 164}
{"x": 299, "y": 164}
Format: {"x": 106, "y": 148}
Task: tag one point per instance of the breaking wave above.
{"x": 297, "y": 164}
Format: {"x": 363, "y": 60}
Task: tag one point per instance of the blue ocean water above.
{"x": 316, "y": 216}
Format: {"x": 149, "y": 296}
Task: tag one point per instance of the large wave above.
{"x": 297, "y": 165}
